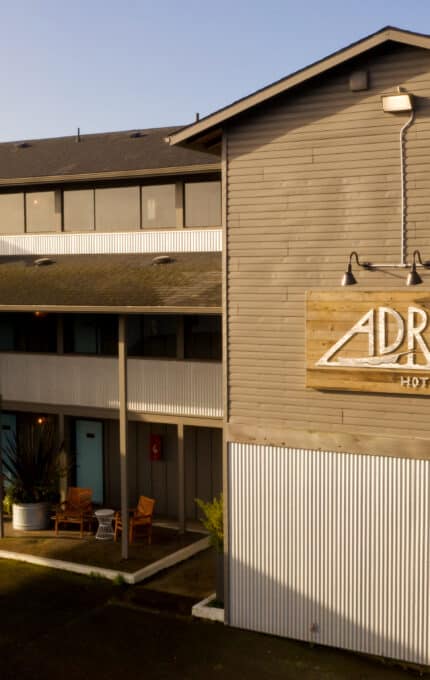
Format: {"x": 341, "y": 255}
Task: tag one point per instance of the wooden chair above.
{"x": 140, "y": 518}
{"x": 76, "y": 509}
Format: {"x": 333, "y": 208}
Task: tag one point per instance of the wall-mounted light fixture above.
{"x": 401, "y": 102}
{"x": 348, "y": 278}
{"x": 397, "y": 103}
{"x": 413, "y": 279}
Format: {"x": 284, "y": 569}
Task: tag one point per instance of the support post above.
{"x": 181, "y": 479}
{"x": 1, "y": 486}
{"x": 179, "y": 203}
{"x": 60, "y": 334}
{"x": 123, "y": 429}
{"x": 64, "y": 467}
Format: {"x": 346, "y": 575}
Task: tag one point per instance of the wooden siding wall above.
{"x": 159, "y": 479}
{"x": 203, "y": 466}
{"x": 311, "y": 178}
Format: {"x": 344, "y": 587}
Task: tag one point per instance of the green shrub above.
{"x": 213, "y": 520}
{"x": 7, "y": 505}
{"x": 119, "y": 580}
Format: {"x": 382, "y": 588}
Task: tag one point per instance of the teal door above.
{"x": 89, "y": 457}
{"x": 7, "y": 434}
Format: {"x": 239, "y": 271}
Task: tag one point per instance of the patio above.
{"x": 87, "y": 555}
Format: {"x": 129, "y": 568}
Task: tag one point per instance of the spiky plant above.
{"x": 213, "y": 520}
{"x": 31, "y": 464}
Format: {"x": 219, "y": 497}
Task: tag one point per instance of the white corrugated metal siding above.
{"x": 332, "y": 548}
{"x": 189, "y": 388}
{"x": 174, "y": 241}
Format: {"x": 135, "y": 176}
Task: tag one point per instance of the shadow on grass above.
{"x": 59, "y": 625}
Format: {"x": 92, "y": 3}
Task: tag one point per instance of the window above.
{"x": 78, "y": 209}
{"x": 43, "y": 211}
{"x": 12, "y": 213}
{"x": 158, "y": 206}
{"x": 202, "y": 337}
{"x": 28, "y": 332}
{"x": 91, "y": 334}
{"x": 202, "y": 204}
{"x": 117, "y": 209}
{"x": 7, "y": 333}
{"x": 152, "y": 335}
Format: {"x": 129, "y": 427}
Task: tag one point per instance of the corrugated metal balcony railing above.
{"x": 189, "y": 388}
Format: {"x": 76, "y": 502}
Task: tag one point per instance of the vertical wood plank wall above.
{"x": 311, "y": 178}
{"x": 331, "y": 548}
{"x": 159, "y": 479}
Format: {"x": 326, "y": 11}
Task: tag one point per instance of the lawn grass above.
{"x": 60, "y": 625}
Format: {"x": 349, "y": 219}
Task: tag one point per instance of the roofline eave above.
{"x": 113, "y": 309}
{"x": 191, "y": 133}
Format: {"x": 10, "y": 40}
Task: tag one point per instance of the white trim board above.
{"x": 202, "y": 610}
{"x": 111, "y": 574}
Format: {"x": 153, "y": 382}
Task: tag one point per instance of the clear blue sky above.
{"x": 106, "y": 65}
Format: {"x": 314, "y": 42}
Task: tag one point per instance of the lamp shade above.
{"x": 413, "y": 277}
{"x": 348, "y": 278}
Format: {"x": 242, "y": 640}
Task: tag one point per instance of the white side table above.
{"x": 105, "y": 529}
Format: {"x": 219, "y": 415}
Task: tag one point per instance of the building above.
{"x": 326, "y": 411}
{"x": 81, "y": 221}
{"x": 318, "y": 409}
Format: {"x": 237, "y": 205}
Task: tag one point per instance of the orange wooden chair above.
{"x": 76, "y": 509}
{"x": 140, "y": 518}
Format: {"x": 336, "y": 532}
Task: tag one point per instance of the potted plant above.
{"x": 32, "y": 470}
{"x": 213, "y": 521}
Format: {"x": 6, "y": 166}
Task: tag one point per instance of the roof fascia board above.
{"x": 125, "y": 174}
{"x": 106, "y": 309}
{"x": 219, "y": 117}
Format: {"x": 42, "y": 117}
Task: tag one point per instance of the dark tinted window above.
{"x": 28, "y": 332}
{"x": 152, "y": 335}
{"x": 202, "y": 337}
{"x": 91, "y": 334}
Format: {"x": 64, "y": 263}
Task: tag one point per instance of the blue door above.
{"x": 7, "y": 434}
{"x": 89, "y": 457}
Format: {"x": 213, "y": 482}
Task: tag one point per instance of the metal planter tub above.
{"x": 30, "y": 516}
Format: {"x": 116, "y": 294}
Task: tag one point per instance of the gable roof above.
{"x": 103, "y": 156}
{"x": 206, "y": 126}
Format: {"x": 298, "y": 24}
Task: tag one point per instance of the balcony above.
{"x": 186, "y": 388}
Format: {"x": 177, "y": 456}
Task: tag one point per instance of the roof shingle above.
{"x": 189, "y": 280}
{"x": 97, "y": 153}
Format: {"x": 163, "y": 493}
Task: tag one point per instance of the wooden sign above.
{"x": 368, "y": 341}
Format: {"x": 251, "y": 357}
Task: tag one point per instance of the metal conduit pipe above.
{"x": 403, "y": 241}
{"x": 403, "y": 207}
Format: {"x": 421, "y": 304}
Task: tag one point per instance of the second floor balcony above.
{"x": 170, "y": 387}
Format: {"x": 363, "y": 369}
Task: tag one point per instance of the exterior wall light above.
{"x": 348, "y": 278}
{"x": 413, "y": 277}
{"x": 397, "y": 103}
